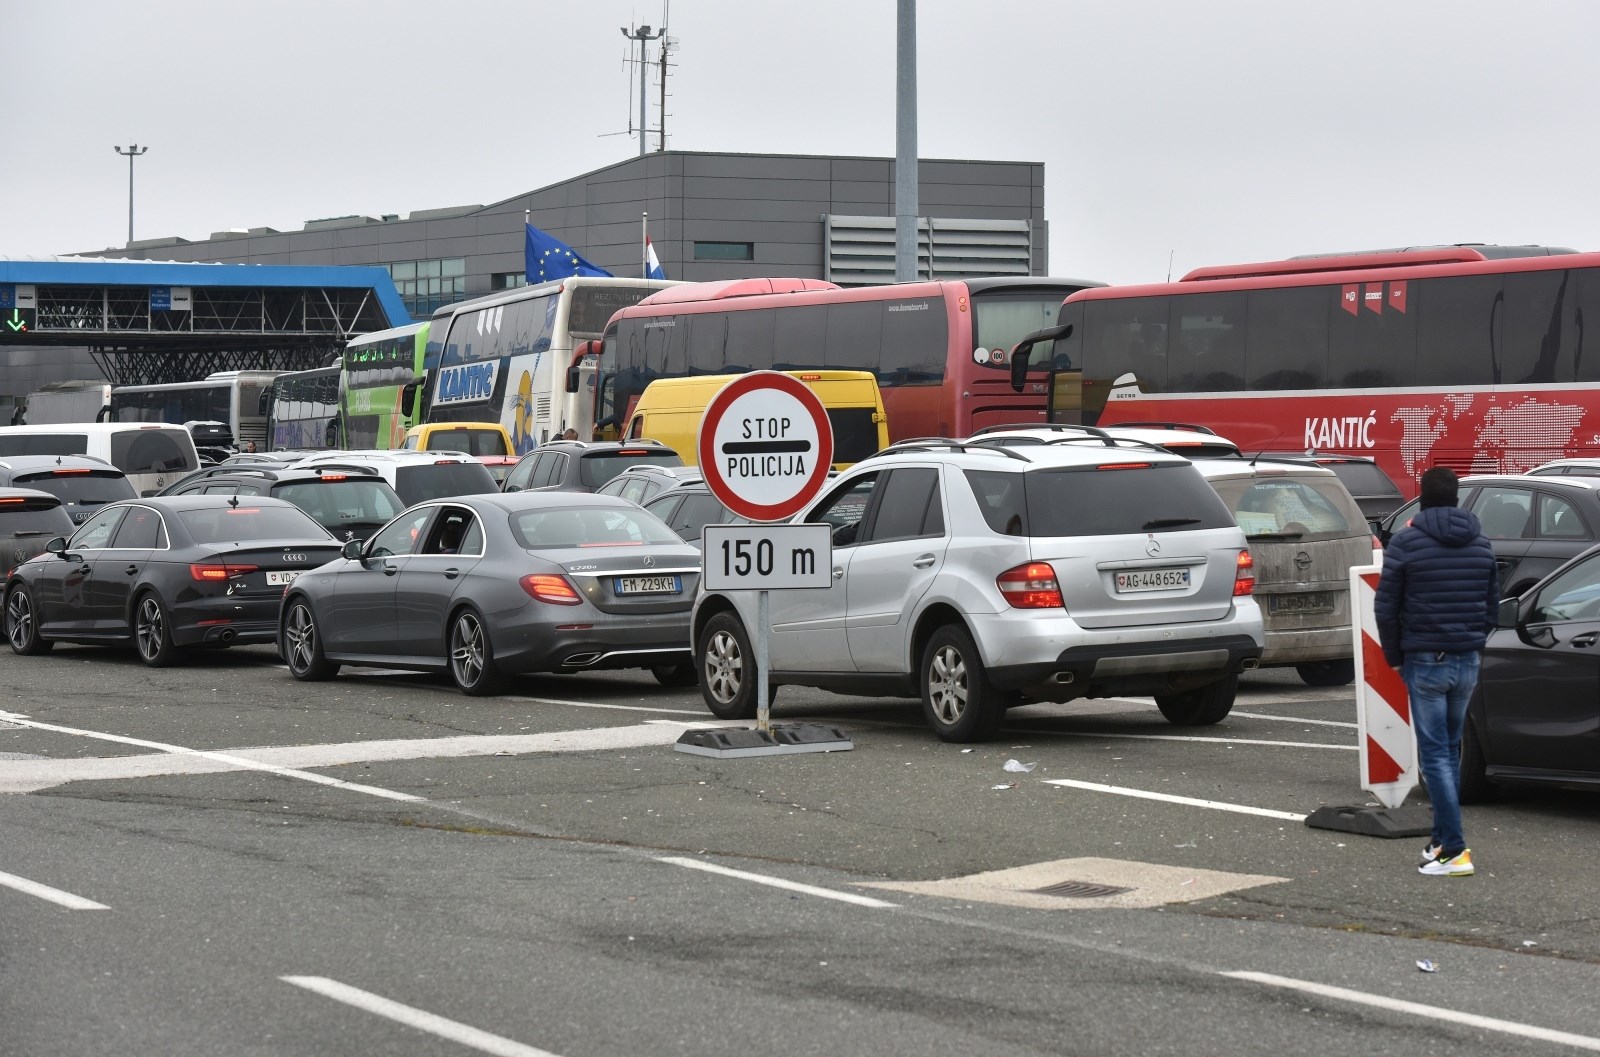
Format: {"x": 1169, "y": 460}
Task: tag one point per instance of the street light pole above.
{"x": 133, "y": 151}
{"x": 642, "y": 35}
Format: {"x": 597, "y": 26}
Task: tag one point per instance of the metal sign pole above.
{"x": 763, "y": 627}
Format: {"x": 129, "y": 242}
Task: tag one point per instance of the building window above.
{"x": 427, "y": 285}
{"x": 724, "y": 251}
{"x": 508, "y": 280}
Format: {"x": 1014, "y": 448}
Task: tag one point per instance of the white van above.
{"x": 151, "y": 455}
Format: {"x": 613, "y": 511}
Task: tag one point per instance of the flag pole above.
{"x": 644, "y": 245}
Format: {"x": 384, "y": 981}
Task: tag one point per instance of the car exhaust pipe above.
{"x": 1249, "y": 664}
{"x": 1065, "y": 677}
{"x": 578, "y": 660}
{"x": 227, "y": 636}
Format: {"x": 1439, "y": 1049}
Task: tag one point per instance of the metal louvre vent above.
{"x": 1080, "y": 890}
{"x": 860, "y": 250}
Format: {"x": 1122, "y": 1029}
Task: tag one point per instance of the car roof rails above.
{"x": 325, "y": 468}
{"x": 913, "y": 445}
{"x": 1053, "y": 427}
{"x": 1190, "y": 426}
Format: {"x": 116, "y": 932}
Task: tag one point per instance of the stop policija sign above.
{"x": 765, "y": 445}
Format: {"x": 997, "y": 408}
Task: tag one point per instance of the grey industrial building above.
{"x": 711, "y": 216}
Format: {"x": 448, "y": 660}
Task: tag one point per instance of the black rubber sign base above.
{"x": 785, "y": 738}
{"x": 1374, "y": 821}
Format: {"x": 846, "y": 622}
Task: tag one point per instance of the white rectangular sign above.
{"x": 767, "y": 557}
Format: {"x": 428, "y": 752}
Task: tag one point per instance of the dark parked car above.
{"x": 1535, "y": 716}
{"x": 29, "y": 519}
{"x": 1534, "y": 523}
{"x": 582, "y": 466}
{"x": 688, "y": 507}
{"x": 486, "y": 586}
{"x": 83, "y": 484}
{"x": 644, "y": 480}
{"x": 351, "y": 504}
{"x": 1373, "y": 490}
{"x": 164, "y": 573}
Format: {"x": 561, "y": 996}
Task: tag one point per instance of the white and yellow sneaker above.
{"x": 1457, "y": 865}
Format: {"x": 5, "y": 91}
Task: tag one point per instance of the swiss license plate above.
{"x": 648, "y": 585}
{"x": 1303, "y": 602}
{"x": 1152, "y": 580}
{"x": 281, "y": 576}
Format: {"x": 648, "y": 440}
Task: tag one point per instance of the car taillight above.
{"x": 219, "y": 573}
{"x": 1031, "y": 586}
{"x": 1244, "y": 575}
{"x": 550, "y": 588}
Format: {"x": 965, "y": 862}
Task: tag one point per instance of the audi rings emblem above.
{"x": 290, "y": 556}
{"x": 1152, "y": 546}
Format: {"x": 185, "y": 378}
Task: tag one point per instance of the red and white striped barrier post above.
{"x": 1388, "y": 742}
{"x": 1383, "y": 708}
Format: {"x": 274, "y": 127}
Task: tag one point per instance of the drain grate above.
{"x": 1081, "y": 890}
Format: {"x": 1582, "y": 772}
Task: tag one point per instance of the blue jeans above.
{"x": 1440, "y": 685}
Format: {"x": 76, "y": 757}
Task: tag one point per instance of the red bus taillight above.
{"x": 1030, "y": 586}
{"x": 1244, "y": 576}
{"x": 550, "y": 588}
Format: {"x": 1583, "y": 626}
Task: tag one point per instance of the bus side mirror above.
{"x": 572, "y": 379}
{"x": 1022, "y": 351}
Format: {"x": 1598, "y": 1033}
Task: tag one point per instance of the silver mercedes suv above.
{"x": 982, "y": 576}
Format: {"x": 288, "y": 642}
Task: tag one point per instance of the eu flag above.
{"x": 547, "y": 258}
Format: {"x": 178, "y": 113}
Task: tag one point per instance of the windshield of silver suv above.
{"x": 1118, "y": 497}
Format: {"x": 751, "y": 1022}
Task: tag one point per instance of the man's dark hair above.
{"x": 1439, "y": 487}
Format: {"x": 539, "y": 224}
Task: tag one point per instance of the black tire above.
{"x": 152, "y": 634}
{"x": 724, "y": 666}
{"x": 1328, "y": 673}
{"x": 22, "y": 624}
{"x": 1475, "y": 784}
{"x": 957, "y": 699}
{"x": 685, "y": 674}
{"x": 300, "y": 643}
{"x": 472, "y": 666}
{"x": 1201, "y": 706}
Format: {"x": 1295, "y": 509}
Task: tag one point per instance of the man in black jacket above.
{"x": 1435, "y": 607}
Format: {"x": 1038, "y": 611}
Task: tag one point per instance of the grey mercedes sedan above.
{"x": 487, "y": 586}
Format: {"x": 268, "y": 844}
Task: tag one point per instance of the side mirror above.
{"x": 1506, "y": 615}
{"x": 352, "y": 549}
{"x": 1022, "y": 351}
{"x": 57, "y": 546}
{"x": 572, "y": 379}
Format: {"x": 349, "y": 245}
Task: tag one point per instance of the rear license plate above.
{"x": 1303, "y": 602}
{"x": 281, "y": 576}
{"x": 648, "y": 585}
{"x": 1151, "y": 580}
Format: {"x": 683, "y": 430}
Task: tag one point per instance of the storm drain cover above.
{"x": 1081, "y": 890}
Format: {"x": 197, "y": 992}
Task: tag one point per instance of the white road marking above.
{"x": 776, "y": 882}
{"x": 1145, "y": 794}
{"x": 24, "y": 776}
{"x": 1472, "y": 1020}
{"x": 431, "y": 1023}
{"x": 54, "y": 895}
{"x": 602, "y": 704}
{"x": 1296, "y": 719}
{"x": 1191, "y": 737}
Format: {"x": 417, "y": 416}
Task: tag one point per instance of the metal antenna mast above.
{"x": 643, "y": 35}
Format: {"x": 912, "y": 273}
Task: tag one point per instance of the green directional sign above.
{"x": 17, "y": 320}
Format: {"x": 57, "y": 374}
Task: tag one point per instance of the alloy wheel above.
{"x": 150, "y": 628}
{"x": 19, "y": 619}
{"x": 724, "y": 666}
{"x": 466, "y": 650}
{"x": 300, "y": 632}
{"x": 947, "y": 684}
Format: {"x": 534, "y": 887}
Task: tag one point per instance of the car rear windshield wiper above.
{"x": 27, "y": 532}
{"x": 1274, "y": 535}
{"x": 1170, "y": 522}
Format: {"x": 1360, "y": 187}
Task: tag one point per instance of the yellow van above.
{"x": 488, "y": 442}
{"x": 670, "y": 410}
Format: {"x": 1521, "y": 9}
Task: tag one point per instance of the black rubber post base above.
{"x": 785, "y": 738}
{"x": 1374, "y": 821}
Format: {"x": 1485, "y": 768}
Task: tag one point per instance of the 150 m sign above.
{"x": 767, "y": 557}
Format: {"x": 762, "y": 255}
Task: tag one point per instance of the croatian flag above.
{"x": 652, "y": 266}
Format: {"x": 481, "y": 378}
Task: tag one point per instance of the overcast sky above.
{"x": 1200, "y": 131}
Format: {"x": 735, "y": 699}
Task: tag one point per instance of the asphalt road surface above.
{"x": 216, "y": 859}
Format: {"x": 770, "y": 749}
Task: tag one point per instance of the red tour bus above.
{"x": 939, "y": 349}
{"x": 1472, "y": 358}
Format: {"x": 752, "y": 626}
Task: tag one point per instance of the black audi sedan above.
{"x": 486, "y": 586}
{"x": 1535, "y": 716}
{"x": 166, "y": 573}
